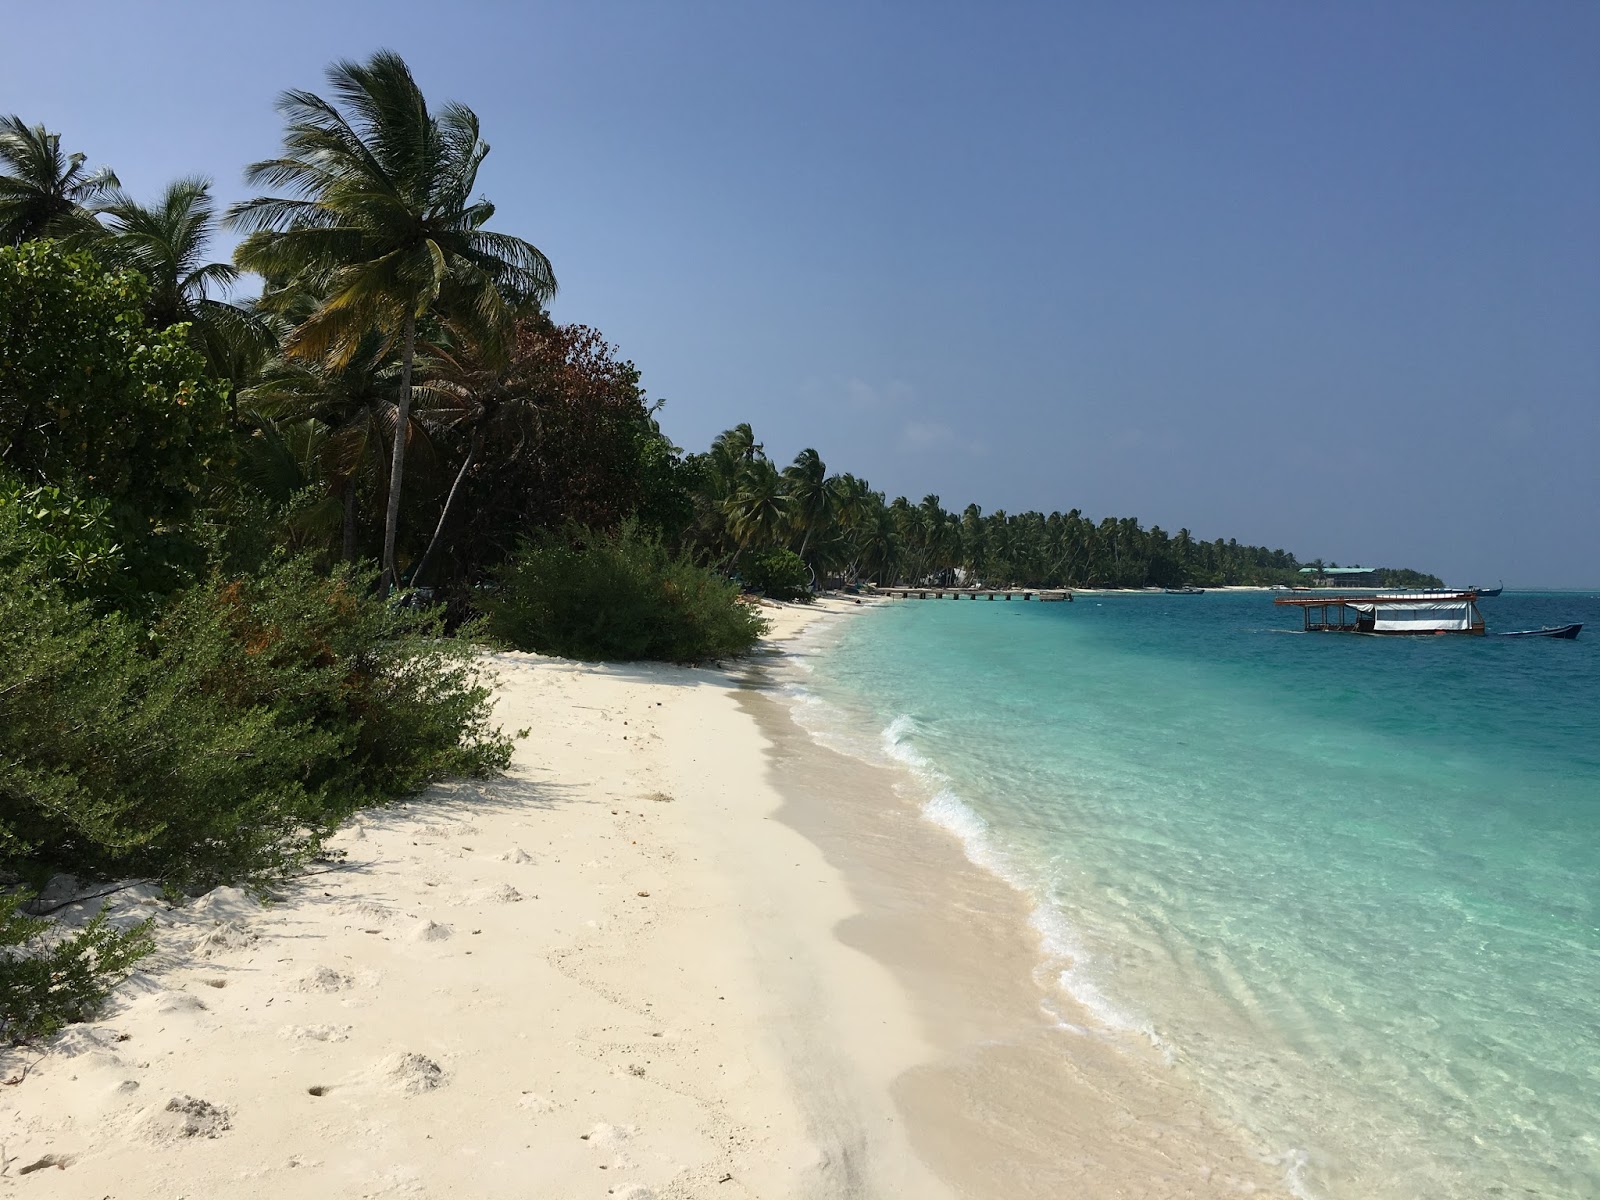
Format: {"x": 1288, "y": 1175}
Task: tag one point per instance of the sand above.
{"x": 670, "y": 954}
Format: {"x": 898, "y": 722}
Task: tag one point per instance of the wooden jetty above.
{"x": 1048, "y": 596}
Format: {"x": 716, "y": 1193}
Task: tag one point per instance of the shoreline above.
{"x": 678, "y": 950}
{"x": 1028, "y": 1094}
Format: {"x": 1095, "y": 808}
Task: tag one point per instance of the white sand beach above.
{"x": 633, "y": 967}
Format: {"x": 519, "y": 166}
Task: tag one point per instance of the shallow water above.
{"x": 1349, "y": 884}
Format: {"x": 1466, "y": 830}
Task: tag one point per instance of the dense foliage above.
{"x": 744, "y": 507}
{"x": 618, "y": 595}
{"x": 781, "y": 574}
{"x": 1400, "y": 577}
{"x": 226, "y": 740}
{"x": 95, "y": 401}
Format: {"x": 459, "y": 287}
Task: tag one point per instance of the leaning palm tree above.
{"x": 381, "y": 223}
{"x": 166, "y": 243}
{"x": 814, "y": 495}
{"x": 44, "y": 193}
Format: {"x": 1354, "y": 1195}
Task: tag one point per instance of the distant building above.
{"x": 1342, "y": 576}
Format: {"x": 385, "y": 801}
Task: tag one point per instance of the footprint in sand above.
{"x": 412, "y": 1074}
{"x": 605, "y": 1136}
{"x": 503, "y": 894}
{"x": 224, "y": 903}
{"x": 323, "y": 979}
{"x": 224, "y": 938}
{"x": 315, "y": 1033}
{"x": 184, "y": 1117}
{"x": 81, "y": 1041}
{"x": 173, "y": 1002}
{"x": 368, "y": 912}
{"x": 59, "y": 1161}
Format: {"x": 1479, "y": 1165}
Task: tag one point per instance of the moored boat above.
{"x": 1551, "y": 631}
{"x": 1185, "y": 591}
{"x": 1394, "y": 613}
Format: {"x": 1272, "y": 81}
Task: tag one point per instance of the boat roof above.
{"x": 1305, "y": 601}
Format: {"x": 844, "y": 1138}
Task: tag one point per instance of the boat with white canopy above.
{"x": 1397, "y": 613}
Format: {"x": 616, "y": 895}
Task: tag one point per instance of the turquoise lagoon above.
{"x": 1350, "y": 885}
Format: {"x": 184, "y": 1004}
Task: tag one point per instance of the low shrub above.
{"x": 47, "y": 981}
{"x": 617, "y": 596}
{"x": 781, "y": 574}
{"x": 226, "y": 742}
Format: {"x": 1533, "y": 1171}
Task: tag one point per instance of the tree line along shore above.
{"x": 247, "y": 547}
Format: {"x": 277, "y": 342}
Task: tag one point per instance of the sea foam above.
{"x": 1066, "y": 958}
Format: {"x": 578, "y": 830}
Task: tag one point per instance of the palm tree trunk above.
{"x": 391, "y": 523}
{"x": 350, "y": 519}
{"x": 446, "y": 518}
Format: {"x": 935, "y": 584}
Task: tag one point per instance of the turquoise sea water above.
{"x": 1349, "y": 884}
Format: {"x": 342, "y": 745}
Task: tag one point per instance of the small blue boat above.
{"x": 1556, "y": 631}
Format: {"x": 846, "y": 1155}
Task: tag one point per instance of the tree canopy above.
{"x": 401, "y": 394}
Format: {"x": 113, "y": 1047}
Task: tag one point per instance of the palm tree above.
{"x": 44, "y": 192}
{"x": 758, "y": 507}
{"x": 814, "y": 495}
{"x": 731, "y": 451}
{"x": 878, "y": 541}
{"x": 355, "y": 403}
{"x": 469, "y": 393}
{"x": 972, "y": 549}
{"x": 166, "y": 243}
{"x": 381, "y": 223}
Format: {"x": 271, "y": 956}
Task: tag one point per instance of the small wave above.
{"x": 897, "y": 743}
{"x": 1294, "y": 1163}
{"x": 828, "y": 725}
{"x": 1067, "y": 964}
{"x": 1064, "y": 952}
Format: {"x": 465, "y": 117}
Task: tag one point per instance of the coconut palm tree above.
{"x": 878, "y": 546}
{"x": 166, "y": 243}
{"x": 731, "y": 451}
{"x": 758, "y": 508}
{"x": 44, "y": 193}
{"x": 468, "y": 392}
{"x": 972, "y": 550}
{"x": 355, "y": 403}
{"x": 814, "y": 495}
{"x": 381, "y": 223}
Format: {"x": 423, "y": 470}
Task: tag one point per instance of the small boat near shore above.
{"x": 1185, "y": 591}
{"x": 1550, "y": 631}
{"x": 1494, "y": 591}
{"x": 1391, "y": 613}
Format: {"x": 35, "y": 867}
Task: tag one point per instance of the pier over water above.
{"x": 1047, "y": 596}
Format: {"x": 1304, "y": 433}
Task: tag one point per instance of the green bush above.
{"x": 93, "y": 399}
{"x": 781, "y": 574}
{"x": 617, "y": 596}
{"x": 224, "y": 743}
{"x": 48, "y": 981}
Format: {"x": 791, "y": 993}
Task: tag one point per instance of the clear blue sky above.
{"x": 1324, "y": 277}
